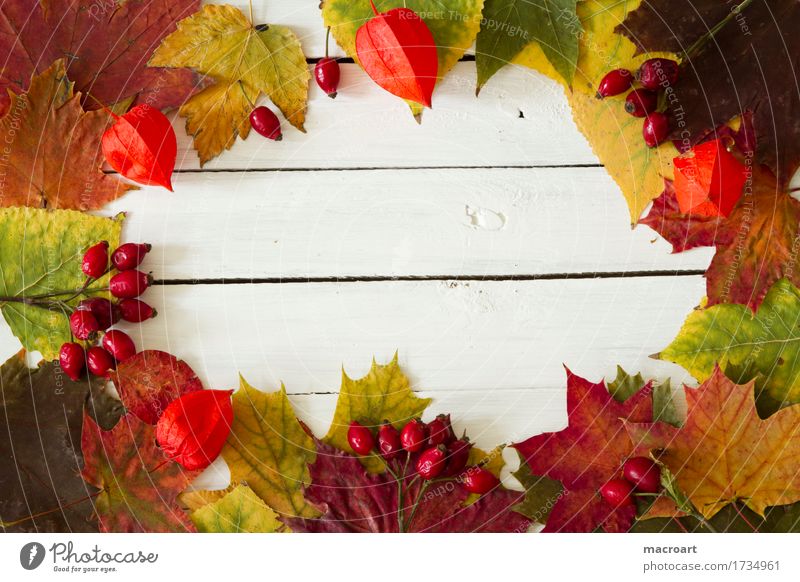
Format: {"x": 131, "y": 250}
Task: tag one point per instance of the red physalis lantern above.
{"x": 708, "y": 180}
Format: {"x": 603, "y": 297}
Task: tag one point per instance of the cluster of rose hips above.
{"x": 433, "y": 448}
{"x": 96, "y": 315}
{"x": 654, "y": 75}
{"x": 639, "y": 475}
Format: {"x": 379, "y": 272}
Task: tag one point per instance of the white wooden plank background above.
{"x": 502, "y": 191}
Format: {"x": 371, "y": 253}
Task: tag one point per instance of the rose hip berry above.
{"x": 119, "y": 344}
{"x": 479, "y": 480}
{"x": 440, "y": 431}
{"x": 72, "y": 359}
{"x": 641, "y": 102}
{"x": 129, "y": 284}
{"x": 105, "y": 312}
{"x": 457, "y": 456}
{"x": 136, "y": 311}
{"x": 265, "y": 122}
{"x": 83, "y": 324}
{"x": 326, "y": 73}
{"x": 95, "y": 260}
{"x": 643, "y": 473}
{"x": 431, "y": 462}
{"x": 617, "y": 493}
{"x": 615, "y": 82}
{"x": 389, "y": 441}
{"x": 413, "y": 435}
{"x": 655, "y": 74}
{"x": 360, "y": 438}
{"x": 655, "y": 129}
{"x": 129, "y": 256}
{"x": 99, "y": 361}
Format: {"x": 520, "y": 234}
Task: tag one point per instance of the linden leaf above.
{"x": 751, "y": 49}
{"x": 454, "y": 26}
{"x": 724, "y": 453}
{"x": 107, "y": 44}
{"x": 586, "y": 455}
{"x": 383, "y": 394}
{"x": 220, "y": 42}
{"x": 270, "y": 450}
{"x": 508, "y": 26}
{"x": 40, "y": 457}
{"x": 239, "y": 511}
{"x": 40, "y": 253}
{"x": 54, "y": 158}
{"x": 138, "y": 485}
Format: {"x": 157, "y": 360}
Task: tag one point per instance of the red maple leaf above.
{"x": 587, "y": 454}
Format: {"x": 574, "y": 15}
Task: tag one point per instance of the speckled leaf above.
{"x": 383, "y": 394}
{"x": 54, "y": 158}
{"x": 139, "y": 485}
{"x": 40, "y": 252}
{"x": 40, "y": 456}
{"x": 586, "y": 454}
{"x": 724, "y": 452}
{"x": 239, "y": 511}
{"x": 150, "y": 380}
{"x": 270, "y": 450}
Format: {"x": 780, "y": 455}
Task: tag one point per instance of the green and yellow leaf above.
{"x": 238, "y": 511}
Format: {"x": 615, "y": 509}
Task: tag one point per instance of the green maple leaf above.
{"x": 40, "y": 253}
{"x": 508, "y": 26}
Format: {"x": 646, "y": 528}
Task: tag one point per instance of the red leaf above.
{"x": 194, "y": 427}
{"x": 353, "y": 500}
{"x": 139, "y": 486}
{"x": 141, "y": 145}
{"x": 150, "y": 380}
{"x": 587, "y": 454}
{"x": 397, "y": 50}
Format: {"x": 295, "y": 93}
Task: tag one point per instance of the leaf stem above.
{"x": 250, "y": 2}
{"x": 49, "y": 511}
{"x": 700, "y": 42}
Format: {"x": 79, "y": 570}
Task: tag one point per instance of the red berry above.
{"x": 615, "y": 82}
{"x": 136, "y": 311}
{"x": 129, "y": 256}
{"x": 99, "y": 361}
{"x": 479, "y": 480}
{"x": 72, "y": 359}
{"x": 655, "y": 74}
{"x": 389, "y": 441}
{"x": 432, "y": 462}
{"x": 440, "y": 431}
{"x": 617, "y": 492}
{"x": 83, "y": 324}
{"x": 105, "y": 312}
{"x": 95, "y": 260}
{"x": 457, "y": 456}
{"x": 326, "y": 72}
{"x": 265, "y": 122}
{"x": 129, "y": 284}
{"x": 413, "y": 435}
{"x": 641, "y": 102}
{"x": 360, "y": 438}
{"x": 119, "y": 344}
{"x": 643, "y": 473}
{"x": 655, "y": 129}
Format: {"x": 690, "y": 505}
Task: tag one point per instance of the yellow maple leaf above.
{"x": 238, "y": 510}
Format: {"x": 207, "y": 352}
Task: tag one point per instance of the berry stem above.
{"x": 327, "y": 36}
{"x": 414, "y": 508}
{"x": 701, "y": 42}
{"x": 375, "y": 10}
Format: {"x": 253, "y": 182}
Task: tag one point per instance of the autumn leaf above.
{"x": 353, "y": 500}
{"x": 383, "y": 394}
{"x": 541, "y": 493}
{"x": 221, "y": 43}
{"x": 150, "y": 380}
{"x": 626, "y": 385}
{"x": 586, "y": 455}
{"x": 238, "y": 511}
{"x": 40, "y": 253}
{"x": 454, "y": 26}
{"x": 40, "y": 457}
{"x": 508, "y": 26}
{"x": 107, "y": 45}
{"x": 748, "y": 55}
{"x": 270, "y": 450}
{"x": 138, "y": 485}
{"x": 54, "y": 159}
{"x": 764, "y": 346}
{"x": 724, "y": 453}
{"x": 733, "y": 518}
